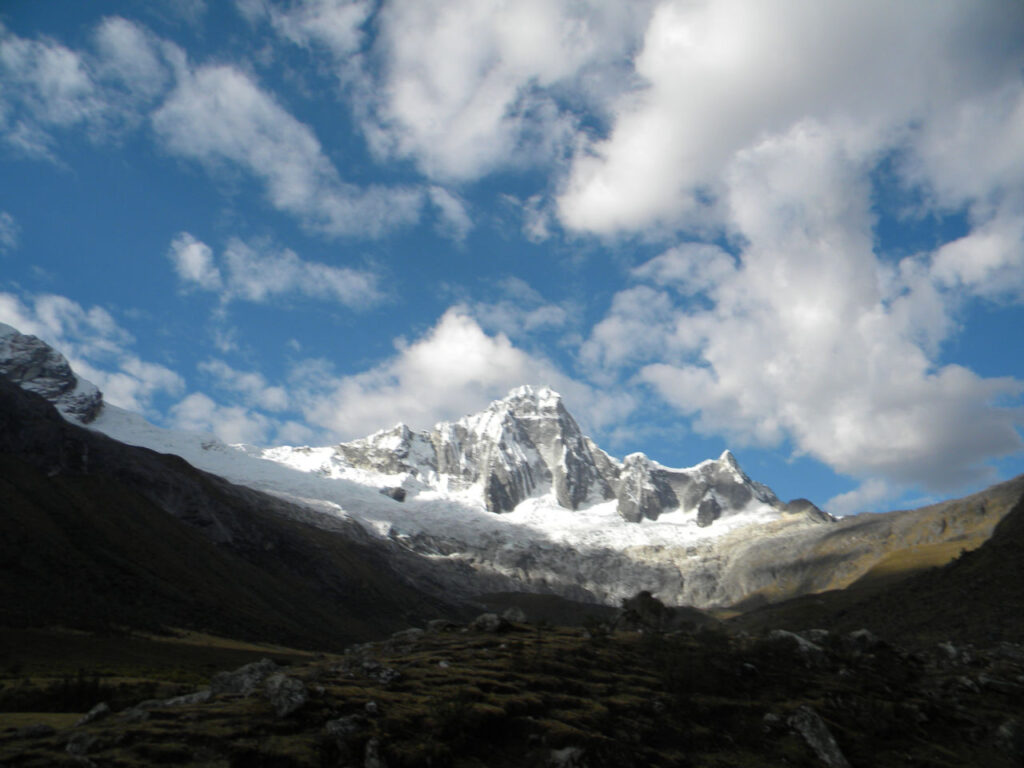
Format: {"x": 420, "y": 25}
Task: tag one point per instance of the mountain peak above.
{"x": 37, "y": 367}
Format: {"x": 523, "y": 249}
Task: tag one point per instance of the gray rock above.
{"x": 345, "y": 727}
{"x": 515, "y": 613}
{"x": 863, "y": 641}
{"x": 708, "y": 511}
{"x": 406, "y": 636}
{"x": 567, "y": 757}
{"x": 372, "y": 708}
{"x": 286, "y": 694}
{"x": 817, "y": 636}
{"x": 397, "y": 493}
{"x": 81, "y": 743}
{"x": 372, "y": 757}
{"x": 199, "y": 697}
{"x": 98, "y": 712}
{"x": 36, "y": 366}
{"x": 1009, "y": 739}
{"x": 811, "y": 653}
{"x": 244, "y": 680}
{"x": 489, "y": 622}
{"x": 133, "y": 715}
{"x": 809, "y": 724}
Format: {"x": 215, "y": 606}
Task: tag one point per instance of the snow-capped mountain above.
{"x": 517, "y": 498}
{"x": 528, "y": 445}
{"x": 37, "y": 367}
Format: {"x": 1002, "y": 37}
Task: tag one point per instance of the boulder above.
{"x": 489, "y": 622}
{"x": 244, "y": 680}
{"x": 819, "y": 738}
{"x": 98, "y": 712}
{"x": 286, "y": 694}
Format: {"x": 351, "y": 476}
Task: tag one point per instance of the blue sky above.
{"x": 796, "y": 231}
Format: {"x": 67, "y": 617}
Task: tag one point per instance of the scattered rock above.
{"x": 244, "y": 680}
{"x": 81, "y": 743}
{"x": 133, "y": 715}
{"x": 373, "y": 758}
{"x": 199, "y": 697}
{"x": 489, "y": 622}
{"x": 567, "y": 757}
{"x": 377, "y": 671}
{"x": 372, "y": 708}
{"x": 345, "y": 727}
{"x": 515, "y": 613}
{"x": 396, "y": 493}
{"x": 1009, "y": 739}
{"x": 286, "y": 694}
{"x": 809, "y": 724}
{"x": 863, "y": 641}
{"x": 817, "y": 636}
{"x": 98, "y": 712}
{"x": 949, "y": 650}
{"x": 811, "y": 653}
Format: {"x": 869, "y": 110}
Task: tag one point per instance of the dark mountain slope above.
{"x": 978, "y": 597}
{"x": 95, "y": 533}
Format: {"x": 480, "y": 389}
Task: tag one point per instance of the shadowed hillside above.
{"x": 97, "y": 534}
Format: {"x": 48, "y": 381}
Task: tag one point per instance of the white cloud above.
{"x": 46, "y": 86}
{"x": 218, "y": 114}
{"x": 718, "y": 77}
{"x": 453, "y": 370}
{"x": 252, "y": 385}
{"x": 259, "y": 273}
{"x": 810, "y": 337}
{"x": 231, "y": 423}
{"x": 335, "y": 24}
{"x": 463, "y": 87}
{"x": 455, "y": 222}
{"x": 95, "y": 345}
{"x": 193, "y": 261}
{"x": 868, "y": 495}
{"x": 522, "y": 312}
{"x": 9, "y": 232}
{"x": 130, "y": 56}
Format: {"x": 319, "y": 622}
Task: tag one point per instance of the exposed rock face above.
{"x": 528, "y": 444}
{"x": 36, "y": 366}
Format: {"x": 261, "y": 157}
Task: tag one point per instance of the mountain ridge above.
{"x": 706, "y": 536}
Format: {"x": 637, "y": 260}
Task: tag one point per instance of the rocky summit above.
{"x": 528, "y": 444}
{"x": 37, "y": 367}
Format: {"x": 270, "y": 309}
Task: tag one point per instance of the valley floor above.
{"x": 512, "y": 694}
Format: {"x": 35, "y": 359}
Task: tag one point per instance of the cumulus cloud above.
{"x": 462, "y": 88}
{"x": 521, "y": 312}
{"x": 809, "y": 337}
{"x": 95, "y": 345}
{"x": 335, "y": 24}
{"x": 218, "y": 114}
{"x": 252, "y": 385}
{"x": 717, "y": 77}
{"x": 46, "y": 86}
{"x": 452, "y": 370}
{"x": 103, "y": 90}
{"x": 259, "y": 273}
{"x": 193, "y": 261}
{"x": 231, "y": 423}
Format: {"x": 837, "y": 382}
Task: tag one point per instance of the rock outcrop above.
{"x": 34, "y": 365}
